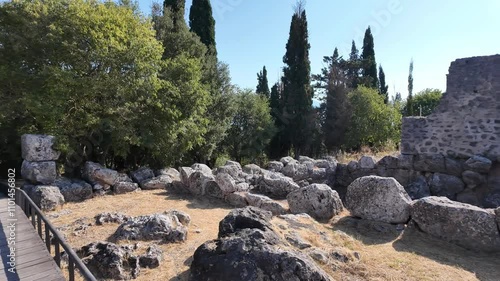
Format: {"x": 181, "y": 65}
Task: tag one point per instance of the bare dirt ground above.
{"x": 386, "y": 252}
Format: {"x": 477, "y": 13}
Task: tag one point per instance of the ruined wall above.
{"x": 467, "y": 121}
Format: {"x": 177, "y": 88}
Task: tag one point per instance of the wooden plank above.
{"x": 33, "y": 261}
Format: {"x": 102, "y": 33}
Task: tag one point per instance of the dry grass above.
{"x": 386, "y": 254}
{"x": 345, "y": 158}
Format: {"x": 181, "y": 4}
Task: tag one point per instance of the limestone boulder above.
{"x": 446, "y": 185}
{"x": 95, "y": 173}
{"x": 104, "y": 218}
{"x": 201, "y": 167}
{"x": 171, "y": 172}
{"x": 237, "y": 199}
{"x": 160, "y": 182}
{"x": 39, "y": 172}
{"x": 379, "y": 199}
{"x": 497, "y": 213}
{"x": 125, "y": 187}
{"x": 152, "y": 258}
{"x": 367, "y": 162}
{"x": 248, "y": 249}
{"x": 388, "y": 162}
{"x": 265, "y": 203}
{"x": 275, "y": 185}
{"x": 419, "y": 188}
{"x": 47, "y": 197}
{"x": 296, "y": 171}
{"x": 166, "y": 228}
{"x": 198, "y": 181}
{"x": 466, "y": 225}
{"x": 317, "y": 200}
{"x": 275, "y": 166}
{"x": 37, "y": 148}
{"x": 473, "y": 179}
{"x": 110, "y": 261}
{"x": 74, "y": 190}
{"x": 226, "y": 183}
{"x": 478, "y": 164}
{"x": 252, "y": 169}
{"x": 185, "y": 174}
{"x": 142, "y": 174}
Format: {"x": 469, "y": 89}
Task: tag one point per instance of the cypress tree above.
{"x": 263, "y": 85}
{"x": 368, "y": 61}
{"x": 177, "y": 8}
{"x": 353, "y": 66}
{"x": 383, "y": 87}
{"x": 202, "y": 22}
{"x": 297, "y": 90}
{"x": 409, "y": 104}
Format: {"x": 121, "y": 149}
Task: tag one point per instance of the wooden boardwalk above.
{"x": 33, "y": 261}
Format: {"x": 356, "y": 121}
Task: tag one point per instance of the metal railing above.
{"x": 37, "y": 219}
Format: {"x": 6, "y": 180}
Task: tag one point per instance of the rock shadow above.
{"x": 484, "y": 265}
{"x": 368, "y": 232}
{"x": 184, "y": 276}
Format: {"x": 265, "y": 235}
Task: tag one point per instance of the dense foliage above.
{"x": 424, "y": 102}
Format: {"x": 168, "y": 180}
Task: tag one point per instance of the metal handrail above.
{"x": 32, "y": 210}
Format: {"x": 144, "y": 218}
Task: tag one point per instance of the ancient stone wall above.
{"x": 467, "y": 121}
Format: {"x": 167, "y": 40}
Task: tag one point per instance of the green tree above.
{"x": 353, "y": 66}
{"x": 333, "y": 81}
{"x": 297, "y": 89}
{"x": 98, "y": 82}
{"x": 202, "y": 23}
{"x": 373, "y": 123}
{"x": 177, "y": 9}
{"x": 263, "y": 84}
{"x": 252, "y": 127}
{"x": 424, "y": 102}
{"x": 369, "y": 69}
{"x": 409, "y": 102}
{"x": 383, "y": 87}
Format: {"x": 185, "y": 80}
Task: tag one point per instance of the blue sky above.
{"x": 253, "y": 33}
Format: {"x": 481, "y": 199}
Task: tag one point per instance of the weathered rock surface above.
{"x": 39, "y": 172}
{"x": 296, "y": 171}
{"x": 142, "y": 174}
{"x": 478, "y": 164}
{"x": 276, "y": 185}
{"x": 237, "y": 199}
{"x": 198, "y": 181}
{"x": 160, "y": 182}
{"x": 38, "y": 148}
{"x": 316, "y": 200}
{"x": 473, "y": 179}
{"x": 497, "y": 212}
{"x": 287, "y": 160}
{"x": 152, "y": 258}
{"x": 95, "y": 173}
{"x": 125, "y": 187}
{"x": 46, "y": 197}
{"x": 367, "y": 162}
{"x": 74, "y": 190}
{"x": 466, "y": 225}
{"x": 379, "y": 199}
{"x": 226, "y": 183}
{"x": 171, "y": 172}
{"x": 265, "y": 203}
{"x": 275, "y": 166}
{"x": 110, "y": 261}
{"x": 405, "y": 161}
{"x": 388, "y": 162}
{"x": 165, "y": 227}
{"x": 446, "y": 185}
{"x": 185, "y": 174}
{"x": 419, "y": 188}
{"x": 103, "y": 218}
{"x": 252, "y": 169}
{"x": 248, "y": 249}
{"x": 201, "y": 167}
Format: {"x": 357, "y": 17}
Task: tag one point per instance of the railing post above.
{"x": 57, "y": 251}
{"x": 71, "y": 268}
{"x": 47, "y": 238}
{"x": 39, "y": 225}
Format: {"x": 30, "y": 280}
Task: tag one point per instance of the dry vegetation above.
{"x": 346, "y": 157}
{"x": 386, "y": 253}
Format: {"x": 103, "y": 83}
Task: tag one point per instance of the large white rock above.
{"x": 39, "y": 172}
{"x": 185, "y": 174}
{"x": 276, "y": 185}
{"x": 317, "y": 200}
{"x": 226, "y": 183}
{"x": 201, "y": 167}
{"x": 379, "y": 199}
{"x": 95, "y": 173}
{"x": 198, "y": 181}
{"x": 463, "y": 224}
{"x": 38, "y": 148}
{"x": 367, "y": 162}
{"x": 47, "y": 197}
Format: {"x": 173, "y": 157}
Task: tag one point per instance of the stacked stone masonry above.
{"x": 467, "y": 120}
